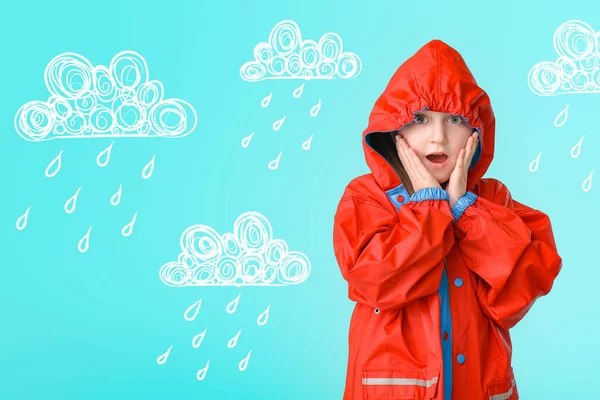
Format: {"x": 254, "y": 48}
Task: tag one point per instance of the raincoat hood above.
{"x": 435, "y": 78}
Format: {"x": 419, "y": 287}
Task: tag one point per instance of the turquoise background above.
{"x": 91, "y": 325}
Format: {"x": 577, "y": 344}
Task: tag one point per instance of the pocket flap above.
{"x": 400, "y": 382}
{"x": 503, "y": 390}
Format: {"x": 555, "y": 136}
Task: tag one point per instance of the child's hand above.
{"x": 419, "y": 175}
{"x": 457, "y": 185}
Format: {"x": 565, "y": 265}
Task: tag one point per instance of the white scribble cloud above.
{"x": 247, "y": 257}
{"x": 577, "y": 68}
{"x": 92, "y": 102}
{"x": 287, "y": 56}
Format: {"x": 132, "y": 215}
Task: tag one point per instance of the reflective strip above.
{"x": 504, "y": 396}
{"x": 399, "y": 381}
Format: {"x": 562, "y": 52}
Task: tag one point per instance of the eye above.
{"x": 455, "y": 119}
{"x": 420, "y": 119}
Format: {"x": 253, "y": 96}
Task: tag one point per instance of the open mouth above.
{"x": 437, "y": 158}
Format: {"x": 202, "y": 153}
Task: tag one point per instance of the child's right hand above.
{"x": 419, "y": 175}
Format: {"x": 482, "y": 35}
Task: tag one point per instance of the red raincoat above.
{"x": 437, "y": 288}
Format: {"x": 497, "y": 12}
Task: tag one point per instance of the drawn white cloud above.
{"x": 577, "y": 68}
{"x": 287, "y": 56}
{"x": 92, "y": 102}
{"x": 249, "y": 256}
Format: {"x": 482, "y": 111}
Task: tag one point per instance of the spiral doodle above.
{"x": 286, "y": 56}
{"x": 268, "y": 274}
{"x": 231, "y": 246}
{"x": 226, "y": 269}
{"x": 247, "y": 256}
{"x": 94, "y": 102}
{"x": 35, "y": 119}
{"x": 575, "y": 40}
{"x": 203, "y": 273}
{"x": 250, "y": 264}
{"x": 175, "y": 274}
{"x": 276, "y": 250}
{"x": 294, "y": 268}
{"x": 253, "y": 231}
{"x": 69, "y": 75}
{"x": 576, "y": 68}
{"x": 202, "y": 242}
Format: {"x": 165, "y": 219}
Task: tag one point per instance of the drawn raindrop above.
{"x": 233, "y": 341}
{"x": 587, "y": 183}
{"x": 106, "y": 154}
{"x": 202, "y": 372}
{"x": 298, "y": 91}
{"x": 22, "y": 220}
{"x": 163, "y": 357}
{"x": 277, "y": 124}
{"x": 263, "y": 317}
{"x": 533, "y": 166}
{"x": 246, "y": 140}
{"x": 232, "y": 306}
{"x": 116, "y": 198}
{"x": 56, "y": 162}
{"x": 71, "y": 203}
{"x": 197, "y": 340}
{"x": 244, "y": 363}
{"x": 265, "y": 102}
{"x": 314, "y": 111}
{"x": 562, "y": 117}
{"x": 149, "y": 168}
{"x": 84, "y": 242}
{"x": 194, "y": 307}
{"x": 577, "y": 148}
{"x": 126, "y": 230}
{"x": 306, "y": 144}
{"x": 273, "y": 165}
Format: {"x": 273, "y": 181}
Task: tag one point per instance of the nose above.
{"x": 438, "y": 132}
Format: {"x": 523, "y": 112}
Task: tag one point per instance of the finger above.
{"x": 472, "y": 148}
{"x": 475, "y": 137}
{"x": 468, "y": 149}
{"x": 460, "y": 162}
{"x": 407, "y": 151}
{"x": 455, "y": 175}
{"x": 415, "y": 163}
{"x": 402, "y": 147}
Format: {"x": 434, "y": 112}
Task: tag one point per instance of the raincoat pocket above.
{"x": 503, "y": 390}
{"x": 399, "y": 383}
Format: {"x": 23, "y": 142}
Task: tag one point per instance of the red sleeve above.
{"x": 511, "y": 248}
{"x": 391, "y": 259}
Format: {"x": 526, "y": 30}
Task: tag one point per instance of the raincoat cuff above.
{"x": 461, "y": 204}
{"x": 430, "y": 194}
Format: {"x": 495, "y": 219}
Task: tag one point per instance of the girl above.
{"x": 440, "y": 262}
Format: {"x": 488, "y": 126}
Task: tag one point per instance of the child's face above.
{"x": 436, "y": 132}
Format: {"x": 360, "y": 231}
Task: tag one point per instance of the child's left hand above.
{"x": 457, "y": 185}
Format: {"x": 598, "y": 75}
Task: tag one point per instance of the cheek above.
{"x": 415, "y": 142}
{"x": 459, "y": 140}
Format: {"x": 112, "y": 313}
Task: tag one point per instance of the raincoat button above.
{"x": 377, "y": 311}
{"x": 458, "y": 282}
{"x": 445, "y": 335}
{"x": 460, "y": 358}
{"x": 400, "y": 198}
